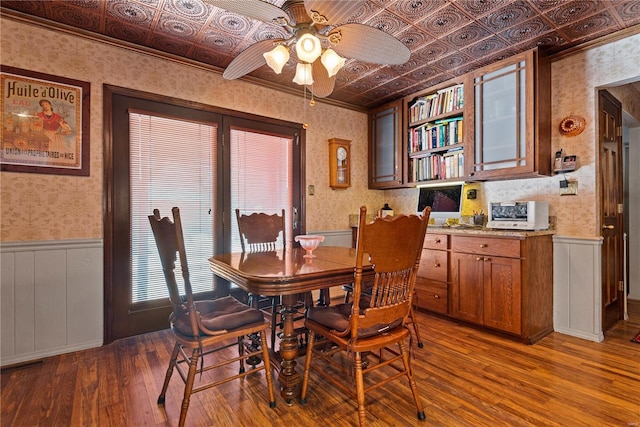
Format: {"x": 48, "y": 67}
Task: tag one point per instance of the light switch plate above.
{"x": 570, "y": 190}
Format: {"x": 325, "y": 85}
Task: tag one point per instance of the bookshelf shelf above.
{"x": 423, "y": 153}
{"x": 457, "y": 112}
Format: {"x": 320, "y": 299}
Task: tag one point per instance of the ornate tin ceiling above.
{"x": 447, "y": 38}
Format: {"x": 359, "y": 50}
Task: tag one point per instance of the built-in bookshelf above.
{"x": 435, "y": 135}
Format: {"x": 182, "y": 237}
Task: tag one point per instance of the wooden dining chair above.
{"x": 205, "y": 327}
{"x": 374, "y": 322}
{"x": 348, "y": 291}
{"x": 261, "y": 232}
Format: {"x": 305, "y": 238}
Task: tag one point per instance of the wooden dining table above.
{"x": 287, "y": 273}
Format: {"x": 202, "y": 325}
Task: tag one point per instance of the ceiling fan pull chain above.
{"x": 305, "y": 125}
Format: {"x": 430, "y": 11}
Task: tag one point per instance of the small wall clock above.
{"x": 339, "y": 163}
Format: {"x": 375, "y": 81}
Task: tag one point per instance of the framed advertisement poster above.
{"x": 45, "y": 123}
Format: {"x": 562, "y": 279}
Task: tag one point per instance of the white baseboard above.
{"x": 36, "y": 355}
{"x": 580, "y": 334}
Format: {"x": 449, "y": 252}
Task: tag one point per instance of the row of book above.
{"x": 440, "y": 133}
{"x": 442, "y": 102}
{"x": 437, "y": 166}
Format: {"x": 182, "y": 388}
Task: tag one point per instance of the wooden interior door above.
{"x": 611, "y": 203}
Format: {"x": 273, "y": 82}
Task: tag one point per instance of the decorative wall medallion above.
{"x": 572, "y": 125}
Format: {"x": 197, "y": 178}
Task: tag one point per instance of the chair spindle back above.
{"x": 393, "y": 245}
{"x": 259, "y": 231}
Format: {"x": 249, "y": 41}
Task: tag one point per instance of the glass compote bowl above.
{"x": 309, "y": 242}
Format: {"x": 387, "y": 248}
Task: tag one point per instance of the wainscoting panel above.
{"x": 577, "y": 299}
{"x": 51, "y": 297}
{"x": 335, "y": 238}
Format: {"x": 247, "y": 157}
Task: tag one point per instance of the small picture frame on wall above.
{"x": 45, "y": 123}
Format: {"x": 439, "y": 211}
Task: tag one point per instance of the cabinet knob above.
{"x": 479, "y": 258}
{"x": 487, "y": 259}
{"x": 436, "y": 265}
{"x": 483, "y": 245}
{"x": 437, "y": 241}
{"x": 436, "y": 296}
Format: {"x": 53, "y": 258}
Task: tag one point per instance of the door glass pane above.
{"x": 261, "y": 178}
{"x": 171, "y": 165}
{"x": 386, "y": 145}
{"x": 500, "y": 118}
{"x": 498, "y": 121}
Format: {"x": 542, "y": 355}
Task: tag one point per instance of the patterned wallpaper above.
{"x": 50, "y": 207}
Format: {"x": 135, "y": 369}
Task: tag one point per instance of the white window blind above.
{"x": 261, "y": 177}
{"x": 171, "y": 165}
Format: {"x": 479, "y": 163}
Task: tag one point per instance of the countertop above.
{"x": 483, "y": 231}
{"x": 465, "y": 229}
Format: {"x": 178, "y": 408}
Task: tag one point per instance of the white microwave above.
{"x": 526, "y": 215}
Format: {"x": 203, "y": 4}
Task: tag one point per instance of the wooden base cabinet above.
{"x": 431, "y": 284}
{"x": 504, "y": 283}
{"x": 486, "y": 290}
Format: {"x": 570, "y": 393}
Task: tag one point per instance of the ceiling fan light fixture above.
{"x": 277, "y": 58}
{"x": 308, "y": 47}
{"x": 332, "y": 62}
{"x": 303, "y": 74}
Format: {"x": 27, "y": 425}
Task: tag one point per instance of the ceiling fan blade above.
{"x": 335, "y": 11}
{"x": 369, "y": 44}
{"x": 249, "y": 59}
{"x": 322, "y": 84}
{"x": 255, "y": 9}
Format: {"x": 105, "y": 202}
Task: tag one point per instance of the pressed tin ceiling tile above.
{"x": 446, "y": 38}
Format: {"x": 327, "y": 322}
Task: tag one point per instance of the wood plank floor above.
{"x": 466, "y": 377}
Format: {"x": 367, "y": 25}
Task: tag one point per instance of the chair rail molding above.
{"x": 577, "y": 295}
{"x": 51, "y": 298}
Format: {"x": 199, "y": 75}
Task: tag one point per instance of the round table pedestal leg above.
{"x": 288, "y": 377}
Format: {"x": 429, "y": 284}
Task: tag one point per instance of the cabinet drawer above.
{"x": 435, "y": 241}
{"x": 486, "y": 246}
{"x": 431, "y": 295}
{"x": 433, "y": 265}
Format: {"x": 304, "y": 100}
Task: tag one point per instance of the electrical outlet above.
{"x": 570, "y": 190}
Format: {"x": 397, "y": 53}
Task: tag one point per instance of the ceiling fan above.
{"x": 319, "y": 36}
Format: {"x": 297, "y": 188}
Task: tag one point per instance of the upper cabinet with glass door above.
{"x": 511, "y": 132}
{"x": 386, "y": 146}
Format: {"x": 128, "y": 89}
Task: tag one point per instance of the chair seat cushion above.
{"x": 336, "y": 317}
{"x": 332, "y": 316}
{"x": 224, "y": 313}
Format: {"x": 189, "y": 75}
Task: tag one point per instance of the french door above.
{"x": 163, "y": 153}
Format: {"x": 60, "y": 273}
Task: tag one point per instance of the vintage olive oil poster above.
{"x": 45, "y": 123}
